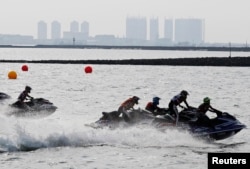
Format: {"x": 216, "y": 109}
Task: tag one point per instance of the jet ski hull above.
{"x": 223, "y": 127}
{"x": 218, "y": 132}
{"x": 4, "y": 96}
{"x": 38, "y": 107}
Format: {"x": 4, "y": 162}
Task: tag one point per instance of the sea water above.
{"x": 64, "y": 139}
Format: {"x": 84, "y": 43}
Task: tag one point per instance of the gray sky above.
{"x": 225, "y": 20}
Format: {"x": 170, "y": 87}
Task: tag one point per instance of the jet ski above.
{"x": 4, "y": 96}
{"x": 39, "y": 107}
{"x": 222, "y": 126}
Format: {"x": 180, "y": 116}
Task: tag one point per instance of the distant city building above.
{"x": 105, "y": 40}
{"x": 16, "y": 39}
{"x": 136, "y": 28}
{"x": 74, "y": 27}
{"x": 154, "y": 29}
{"x": 85, "y": 29}
{"x": 176, "y": 32}
{"x": 74, "y": 35}
{"x": 168, "y": 29}
{"x": 189, "y": 31}
{"x": 42, "y": 30}
{"x": 77, "y": 35}
{"x": 55, "y": 30}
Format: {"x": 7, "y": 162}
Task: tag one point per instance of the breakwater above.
{"x": 207, "y": 61}
{"x": 182, "y": 48}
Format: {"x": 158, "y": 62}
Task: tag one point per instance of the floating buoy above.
{"x": 25, "y": 68}
{"x": 12, "y": 75}
{"x": 88, "y": 69}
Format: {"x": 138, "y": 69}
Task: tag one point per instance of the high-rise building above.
{"x": 85, "y": 29}
{"x": 75, "y": 35}
{"x": 55, "y": 30}
{"x": 154, "y": 29}
{"x": 42, "y": 30}
{"x": 136, "y": 28}
{"x": 74, "y": 27}
{"x": 168, "y": 29}
{"x": 189, "y": 31}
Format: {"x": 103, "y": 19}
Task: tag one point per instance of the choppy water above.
{"x": 112, "y": 54}
{"x": 63, "y": 141}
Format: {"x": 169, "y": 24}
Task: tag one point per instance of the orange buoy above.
{"x": 88, "y": 69}
{"x": 25, "y": 68}
{"x": 12, "y": 75}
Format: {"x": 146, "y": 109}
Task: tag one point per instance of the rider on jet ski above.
{"x": 201, "y": 112}
{"x": 153, "y": 107}
{"x": 22, "y": 97}
{"x": 127, "y": 105}
{"x": 176, "y": 101}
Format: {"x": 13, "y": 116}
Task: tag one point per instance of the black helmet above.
{"x": 28, "y": 88}
{"x": 184, "y": 93}
{"x": 135, "y": 98}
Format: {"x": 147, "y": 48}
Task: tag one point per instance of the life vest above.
{"x": 178, "y": 99}
{"x": 151, "y": 107}
{"x": 128, "y": 104}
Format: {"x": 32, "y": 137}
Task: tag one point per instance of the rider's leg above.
{"x": 177, "y": 114}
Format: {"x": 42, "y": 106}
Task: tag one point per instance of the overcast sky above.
{"x": 225, "y": 20}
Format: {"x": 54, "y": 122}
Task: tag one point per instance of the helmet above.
{"x": 206, "y": 100}
{"x": 135, "y": 98}
{"x": 184, "y": 93}
{"x": 28, "y": 88}
{"x": 156, "y": 99}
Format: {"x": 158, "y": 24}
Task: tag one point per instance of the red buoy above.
{"x": 25, "y": 68}
{"x": 88, "y": 69}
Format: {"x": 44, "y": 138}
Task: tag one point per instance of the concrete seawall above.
{"x": 181, "y": 48}
{"x": 208, "y": 61}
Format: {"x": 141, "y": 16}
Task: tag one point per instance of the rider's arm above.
{"x": 185, "y": 101}
{"x": 219, "y": 113}
{"x": 159, "y": 108}
{"x": 181, "y": 106}
{"x": 30, "y": 97}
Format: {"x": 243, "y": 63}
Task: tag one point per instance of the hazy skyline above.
{"x": 225, "y": 20}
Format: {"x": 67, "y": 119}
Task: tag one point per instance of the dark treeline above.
{"x": 207, "y": 61}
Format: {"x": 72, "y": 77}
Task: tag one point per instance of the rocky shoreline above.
{"x": 206, "y": 61}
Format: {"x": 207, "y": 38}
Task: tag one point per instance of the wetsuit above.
{"x": 201, "y": 113}
{"x": 174, "y": 102}
{"x": 21, "y": 98}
